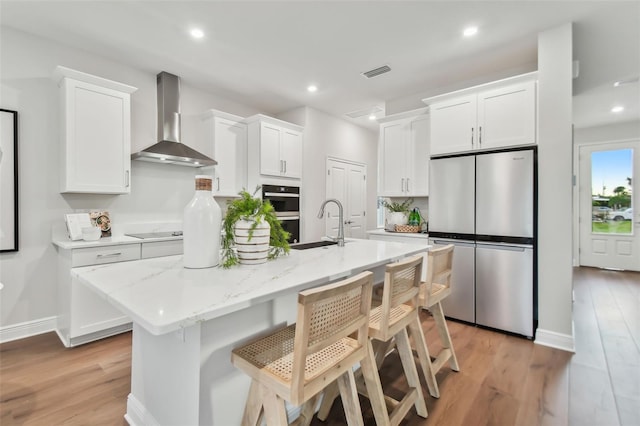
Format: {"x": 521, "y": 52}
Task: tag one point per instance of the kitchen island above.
{"x": 187, "y": 321}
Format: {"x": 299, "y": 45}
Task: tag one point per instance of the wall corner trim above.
{"x": 564, "y": 342}
{"x": 27, "y": 329}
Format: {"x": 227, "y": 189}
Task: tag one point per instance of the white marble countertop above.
{"x": 162, "y": 296}
{"x": 60, "y": 238}
{"x": 399, "y": 234}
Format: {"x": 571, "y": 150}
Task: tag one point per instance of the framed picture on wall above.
{"x": 8, "y": 180}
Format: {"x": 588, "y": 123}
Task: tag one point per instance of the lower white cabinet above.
{"x": 83, "y": 316}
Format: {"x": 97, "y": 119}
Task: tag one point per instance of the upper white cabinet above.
{"x": 275, "y": 148}
{"x": 491, "y": 116}
{"x": 95, "y": 133}
{"x": 228, "y": 134}
{"x": 403, "y": 155}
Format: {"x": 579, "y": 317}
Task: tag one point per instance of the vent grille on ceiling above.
{"x": 377, "y": 71}
{"x": 362, "y": 112}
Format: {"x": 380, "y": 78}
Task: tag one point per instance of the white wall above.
{"x": 555, "y": 187}
{"x": 608, "y": 133}
{"x": 328, "y": 136}
{"x": 159, "y": 192}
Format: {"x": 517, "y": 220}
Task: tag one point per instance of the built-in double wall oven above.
{"x": 286, "y": 203}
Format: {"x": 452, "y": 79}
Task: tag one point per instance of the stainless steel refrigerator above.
{"x": 485, "y": 203}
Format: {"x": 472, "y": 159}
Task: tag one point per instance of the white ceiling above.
{"x": 265, "y": 53}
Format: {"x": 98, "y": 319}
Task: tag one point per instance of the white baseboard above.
{"x": 27, "y": 329}
{"x": 555, "y": 340}
{"x": 137, "y": 414}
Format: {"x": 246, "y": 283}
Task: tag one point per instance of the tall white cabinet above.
{"x": 496, "y": 115}
{"x": 228, "y": 134}
{"x": 95, "y": 129}
{"x": 403, "y": 155}
{"x": 274, "y": 149}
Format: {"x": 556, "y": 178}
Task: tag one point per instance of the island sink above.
{"x": 314, "y": 244}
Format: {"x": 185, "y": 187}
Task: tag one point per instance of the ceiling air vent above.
{"x": 362, "y": 112}
{"x": 377, "y": 71}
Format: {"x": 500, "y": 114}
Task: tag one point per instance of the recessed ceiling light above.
{"x": 197, "y": 33}
{"x": 312, "y": 88}
{"x": 617, "y": 109}
{"x": 470, "y": 31}
{"x": 372, "y": 117}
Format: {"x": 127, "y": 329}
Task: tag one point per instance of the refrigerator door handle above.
{"x": 503, "y": 247}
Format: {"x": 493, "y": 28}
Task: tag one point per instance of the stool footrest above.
{"x": 442, "y": 358}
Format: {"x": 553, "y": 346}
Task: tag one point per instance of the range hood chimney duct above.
{"x": 169, "y": 149}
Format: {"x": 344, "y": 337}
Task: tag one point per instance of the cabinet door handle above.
{"x": 126, "y": 178}
{"x": 472, "y": 137}
{"x": 402, "y": 185}
{"x": 407, "y": 184}
{"x": 281, "y": 166}
{"x": 102, "y": 256}
{"x": 285, "y": 166}
{"x": 480, "y": 135}
{"x": 218, "y": 182}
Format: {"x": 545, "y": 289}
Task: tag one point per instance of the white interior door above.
{"x": 609, "y": 205}
{"x": 346, "y": 182}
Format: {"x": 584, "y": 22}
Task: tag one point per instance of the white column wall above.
{"x": 555, "y": 187}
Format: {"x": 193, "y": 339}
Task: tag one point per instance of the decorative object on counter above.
{"x": 407, "y": 228}
{"x": 8, "y": 180}
{"x": 398, "y": 213}
{"x": 201, "y": 227}
{"x": 245, "y": 226}
{"x": 75, "y": 222}
{"x": 91, "y": 233}
{"x": 101, "y": 219}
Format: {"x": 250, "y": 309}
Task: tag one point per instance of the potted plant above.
{"x": 252, "y": 232}
{"x": 398, "y": 212}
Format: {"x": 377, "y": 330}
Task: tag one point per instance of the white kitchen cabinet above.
{"x": 403, "y": 155}
{"x": 228, "y": 134}
{"x": 83, "y": 316}
{"x": 492, "y": 116}
{"x": 275, "y": 148}
{"x": 95, "y": 128}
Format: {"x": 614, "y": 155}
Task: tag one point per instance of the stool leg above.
{"x": 307, "y": 411}
{"x": 274, "y": 409}
{"x": 409, "y": 366}
{"x": 374, "y": 387}
{"x": 445, "y": 337}
{"x": 253, "y": 408}
{"x": 423, "y": 355}
{"x": 350, "y": 401}
{"x": 331, "y": 392}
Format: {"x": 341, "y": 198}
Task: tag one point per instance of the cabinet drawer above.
{"x": 161, "y": 248}
{"x": 100, "y": 255}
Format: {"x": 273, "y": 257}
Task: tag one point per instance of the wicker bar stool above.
{"x": 295, "y": 363}
{"x": 432, "y": 292}
{"x": 388, "y": 325}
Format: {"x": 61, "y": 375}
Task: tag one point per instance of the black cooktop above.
{"x": 156, "y": 234}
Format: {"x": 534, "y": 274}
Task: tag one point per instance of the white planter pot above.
{"x": 252, "y": 250}
{"x": 397, "y": 218}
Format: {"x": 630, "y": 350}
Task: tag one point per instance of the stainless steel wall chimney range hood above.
{"x": 169, "y": 150}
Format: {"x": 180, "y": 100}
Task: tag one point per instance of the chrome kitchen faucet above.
{"x": 340, "y": 238}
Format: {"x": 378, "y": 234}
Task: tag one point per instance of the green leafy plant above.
{"x": 251, "y": 208}
{"x": 404, "y": 207}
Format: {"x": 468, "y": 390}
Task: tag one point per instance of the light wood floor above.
{"x": 504, "y": 380}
